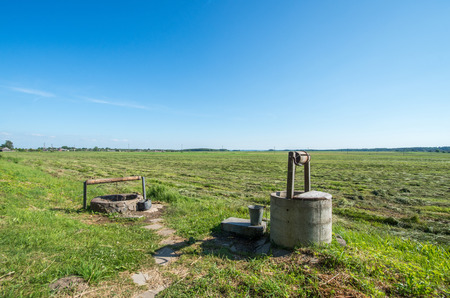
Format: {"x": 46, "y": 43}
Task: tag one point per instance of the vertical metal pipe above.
{"x": 307, "y": 177}
{"x": 85, "y": 195}
{"x": 290, "y": 177}
{"x": 143, "y": 188}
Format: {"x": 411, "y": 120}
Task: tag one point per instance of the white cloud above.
{"x": 119, "y": 140}
{"x": 2, "y": 133}
{"x": 118, "y": 104}
{"x": 33, "y": 92}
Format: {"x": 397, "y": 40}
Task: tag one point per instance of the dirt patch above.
{"x": 156, "y": 279}
{"x": 338, "y": 285}
{"x": 69, "y": 284}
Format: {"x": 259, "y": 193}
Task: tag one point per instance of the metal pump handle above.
{"x": 298, "y": 158}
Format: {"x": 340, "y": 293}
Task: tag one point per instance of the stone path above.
{"x": 154, "y": 278}
{"x": 163, "y": 256}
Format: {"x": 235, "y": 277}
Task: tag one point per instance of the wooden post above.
{"x": 307, "y": 176}
{"x": 291, "y": 176}
{"x": 85, "y": 195}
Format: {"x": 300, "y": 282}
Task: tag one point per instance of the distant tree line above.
{"x": 445, "y": 149}
{"x": 9, "y": 144}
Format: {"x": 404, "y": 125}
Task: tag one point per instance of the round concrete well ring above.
{"x": 118, "y": 203}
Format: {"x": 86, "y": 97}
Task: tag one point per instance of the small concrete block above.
{"x": 242, "y": 227}
{"x": 153, "y": 227}
{"x": 156, "y": 220}
{"x": 164, "y": 256}
{"x": 139, "y": 278}
{"x": 166, "y": 232}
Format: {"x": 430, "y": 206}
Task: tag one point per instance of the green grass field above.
{"x": 393, "y": 209}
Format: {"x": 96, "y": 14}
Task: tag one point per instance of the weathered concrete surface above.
{"x": 165, "y": 256}
{"x": 140, "y": 278}
{"x": 242, "y": 227}
{"x": 165, "y": 232}
{"x": 301, "y": 221}
{"x": 154, "y": 226}
{"x": 150, "y": 293}
{"x": 120, "y": 203}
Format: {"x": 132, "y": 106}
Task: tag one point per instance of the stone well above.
{"x": 119, "y": 203}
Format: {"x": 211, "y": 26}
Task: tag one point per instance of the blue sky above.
{"x": 225, "y": 74}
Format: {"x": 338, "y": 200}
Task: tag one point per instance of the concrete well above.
{"x": 303, "y": 220}
{"x": 120, "y": 203}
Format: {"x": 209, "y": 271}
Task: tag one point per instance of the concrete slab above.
{"x": 140, "y": 278}
{"x": 150, "y": 293}
{"x": 242, "y": 227}
{"x": 313, "y": 195}
{"x": 166, "y": 232}
{"x": 155, "y": 226}
{"x": 165, "y": 256}
{"x": 177, "y": 241}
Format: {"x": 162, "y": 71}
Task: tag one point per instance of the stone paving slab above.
{"x": 154, "y": 226}
{"x": 165, "y": 256}
{"x": 166, "y": 232}
{"x": 150, "y": 293}
{"x": 173, "y": 241}
{"x": 140, "y": 278}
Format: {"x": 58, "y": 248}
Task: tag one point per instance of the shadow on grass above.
{"x": 235, "y": 247}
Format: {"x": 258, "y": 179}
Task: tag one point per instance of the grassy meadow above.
{"x": 393, "y": 210}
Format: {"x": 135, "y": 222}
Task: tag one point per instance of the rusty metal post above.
{"x": 143, "y": 188}
{"x": 290, "y": 177}
{"x": 307, "y": 173}
{"x": 85, "y": 195}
